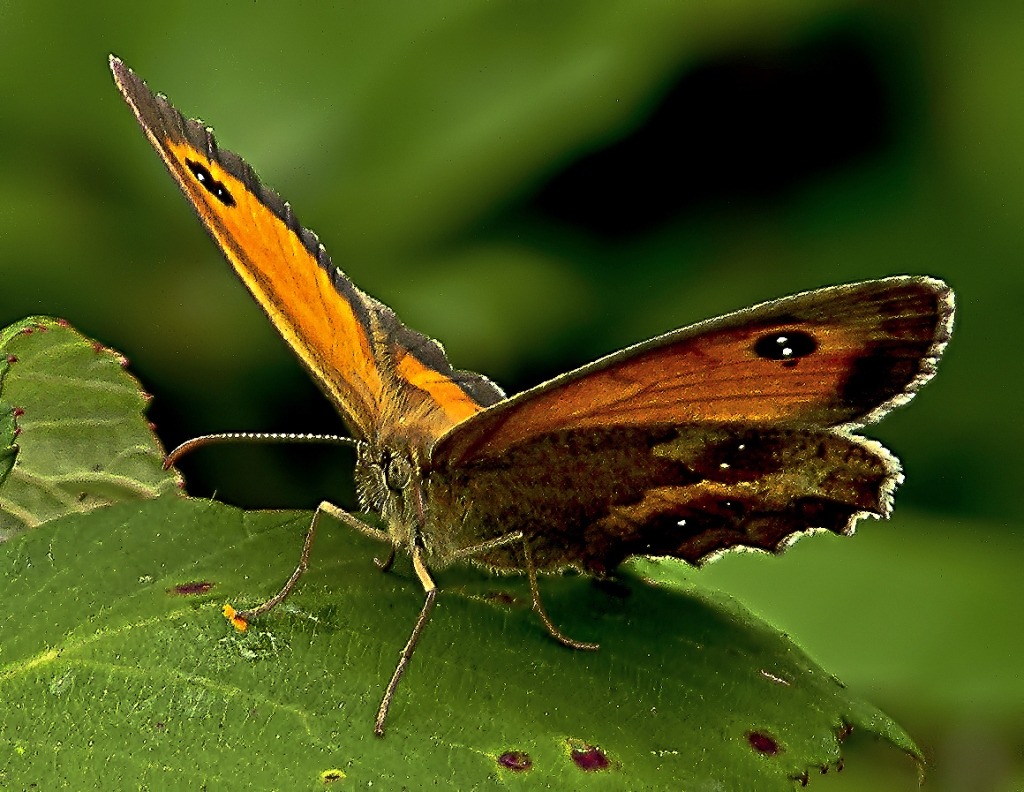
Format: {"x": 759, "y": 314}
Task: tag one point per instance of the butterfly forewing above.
{"x": 371, "y": 365}
{"x": 837, "y": 356}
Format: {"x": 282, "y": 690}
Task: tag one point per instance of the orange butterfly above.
{"x": 734, "y": 432}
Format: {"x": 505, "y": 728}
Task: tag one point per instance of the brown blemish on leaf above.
{"x": 191, "y": 589}
{"x": 18, "y": 412}
{"x": 802, "y": 779}
{"x": 12, "y": 358}
{"x": 516, "y": 761}
{"x": 613, "y": 588}
{"x": 845, "y": 730}
{"x": 588, "y": 758}
{"x": 763, "y": 743}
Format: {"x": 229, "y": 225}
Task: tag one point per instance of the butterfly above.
{"x": 736, "y": 432}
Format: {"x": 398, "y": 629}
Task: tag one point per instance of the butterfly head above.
{"x": 389, "y": 483}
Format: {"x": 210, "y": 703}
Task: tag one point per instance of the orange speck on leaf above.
{"x": 232, "y": 616}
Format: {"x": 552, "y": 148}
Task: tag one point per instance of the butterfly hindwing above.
{"x": 590, "y": 498}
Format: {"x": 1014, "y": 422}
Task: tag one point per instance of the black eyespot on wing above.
{"x": 787, "y": 346}
{"x": 211, "y": 185}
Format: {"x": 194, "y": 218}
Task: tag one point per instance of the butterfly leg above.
{"x": 431, "y": 588}
{"x": 323, "y": 508}
{"x": 531, "y": 571}
{"x": 484, "y": 547}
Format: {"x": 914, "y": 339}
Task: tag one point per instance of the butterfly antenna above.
{"x": 255, "y": 437}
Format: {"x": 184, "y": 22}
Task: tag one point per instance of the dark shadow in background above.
{"x": 748, "y": 128}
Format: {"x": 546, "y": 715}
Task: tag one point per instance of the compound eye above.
{"x": 398, "y": 473}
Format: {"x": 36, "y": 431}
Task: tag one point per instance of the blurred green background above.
{"x": 537, "y": 184}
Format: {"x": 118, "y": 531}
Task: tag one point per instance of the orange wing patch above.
{"x": 317, "y": 319}
{"x": 373, "y": 368}
{"x": 833, "y": 356}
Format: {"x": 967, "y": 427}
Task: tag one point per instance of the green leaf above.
{"x": 8, "y": 432}
{"x": 83, "y": 439}
{"x": 119, "y": 669}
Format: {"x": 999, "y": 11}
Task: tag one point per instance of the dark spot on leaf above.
{"x": 12, "y": 358}
{"x": 64, "y": 323}
{"x": 18, "y": 412}
{"x": 27, "y": 331}
{"x": 844, "y": 732}
{"x": 516, "y": 761}
{"x": 82, "y": 496}
{"x": 17, "y": 431}
{"x": 97, "y": 347}
{"x": 42, "y": 328}
{"x": 839, "y": 765}
{"x": 613, "y": 588}
{"x": 499, "y": 597}
{"x": 802, "y": 779}
{"x": 159, "y": 725}
{"x": 330, "y": 776}
{"x": 589, "y": 758}
{"x": 763, "y": 743}
{"x": 191, "y": 589}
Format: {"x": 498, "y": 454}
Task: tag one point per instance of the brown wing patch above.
{"x": 835, "y": 356}
{"x": 591, "y": 498}
{"x": 757, "y": 490}
{"x": 368, "y": 362}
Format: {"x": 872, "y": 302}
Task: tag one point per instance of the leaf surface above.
{"x": 118, "y": 668}
{"x": 83, "y": 439}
